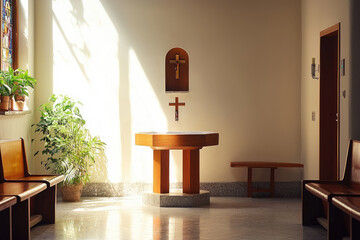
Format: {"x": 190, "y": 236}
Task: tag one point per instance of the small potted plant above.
{"x": 6, "y": 89}
{"x": 68, "y": 145}
{"x": 14, "y": 83}
{"x": 21, "y": 87}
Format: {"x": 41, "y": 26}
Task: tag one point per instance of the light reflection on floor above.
{"x": 225, "y": 218}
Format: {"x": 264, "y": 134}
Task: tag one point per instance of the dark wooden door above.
{"x": 329, "y": 103}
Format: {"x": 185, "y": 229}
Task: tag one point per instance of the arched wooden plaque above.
{"x": 177, "y": 70}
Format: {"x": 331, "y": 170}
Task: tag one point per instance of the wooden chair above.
{"x": 6, "y": 202}
{"x": 317, "y": 195}
{"x": 15, "y": 169}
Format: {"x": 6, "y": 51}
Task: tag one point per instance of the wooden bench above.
{"x": 24, "y": 192}
{"x": 14, "y": 168}
{"x": 317, "y": 195}
{"x": 350, "y": 205}
{"x": 5, "y": 216}
{"x": 271, "y": 165}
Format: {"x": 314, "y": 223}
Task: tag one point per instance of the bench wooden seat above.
{"x": 50, "y": 180}
{"x": 6, "y": 202}
{"x": 324, "y": 190}
{"x": 317, "y": 195}
{"x": 348, "y": 204}
{"x": 21, "y": 190}
{"x": 271, "y": 165}
{"x": 5, "y": 216}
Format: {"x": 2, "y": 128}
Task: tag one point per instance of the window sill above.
{"x": 15, "y": 113}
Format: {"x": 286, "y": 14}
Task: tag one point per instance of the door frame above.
{"x": 331, "y": 32}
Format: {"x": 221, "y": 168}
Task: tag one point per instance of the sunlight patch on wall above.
{"x": 147, "y": 115}
{"x": 24, "y": 5}
{"x": 86, "y": 68}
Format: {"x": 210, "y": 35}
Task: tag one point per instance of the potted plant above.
{"x": 21, "y": 87}
{"x": 14, "y": 83}
{"x": 6, "y": 89}
{"x": 68, "y": 145}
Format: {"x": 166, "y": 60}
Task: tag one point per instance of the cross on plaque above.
{"x": 177, "y": 61}
{"x": 176, "y": 104}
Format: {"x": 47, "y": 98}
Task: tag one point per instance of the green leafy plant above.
{"x": 68, "y": 145}
{"x": 15, "y": 82}
{"x": 7, "y": 81}
{"x": 22, "y": 82}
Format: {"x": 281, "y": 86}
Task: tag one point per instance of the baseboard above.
{"x": 219, "y": 189}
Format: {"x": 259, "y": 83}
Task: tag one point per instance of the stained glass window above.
{"x": 7, "y": 34}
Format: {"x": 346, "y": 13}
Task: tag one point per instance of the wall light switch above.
{"x": 313, "y": 115}
{"x": 342, "y": 67}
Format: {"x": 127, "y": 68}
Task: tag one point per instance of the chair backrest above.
{"x": 13, "y": 159}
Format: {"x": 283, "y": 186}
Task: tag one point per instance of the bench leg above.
{"x": 5, "y": 224}
{"x": 354, "y": 229}
{"x": 44, "y": 204}
{"x": 21, "y": 220}
{"x": 272, "y": 181}
{"x": 336, "y": 227}
{"x": 312, "y": 207}
{"x": 249, "y": 183}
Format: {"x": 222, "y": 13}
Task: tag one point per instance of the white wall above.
{"x": 317, "y": 16}
{"x": 12, "y": 127}
{"x": 245, "y": 59}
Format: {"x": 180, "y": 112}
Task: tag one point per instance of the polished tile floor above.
{"x": 225, "y": 218}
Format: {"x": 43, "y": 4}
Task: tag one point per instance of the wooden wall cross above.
{"x": 176, "y": 104}
{"x": 177, "y": 79}
{"x": 177, "y": 61}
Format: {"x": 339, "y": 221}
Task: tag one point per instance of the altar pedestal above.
{"x": 190, "y": 143}
{"x": 176, "y": 198}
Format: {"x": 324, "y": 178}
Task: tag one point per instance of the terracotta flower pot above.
{"x": 5, "y": 103}
{"x": 71, "y": 193}
{"x": 17, "y": 105}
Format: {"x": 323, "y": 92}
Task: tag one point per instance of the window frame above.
{"x": 14, "y": 34}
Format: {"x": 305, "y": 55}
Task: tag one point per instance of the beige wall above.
{"x": 354, "y": 125}
{"x": 12, "y": 127}
{"x": 317, "y": 16}
{"x": 245, "y": 59}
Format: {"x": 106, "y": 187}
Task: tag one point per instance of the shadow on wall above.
{"x": 355, "y": 74}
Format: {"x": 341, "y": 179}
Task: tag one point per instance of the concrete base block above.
{"x": 176, "y": 198}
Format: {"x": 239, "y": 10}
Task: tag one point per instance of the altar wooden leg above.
{"x": 191, "y": 171}
{"x": 161, "y": 171}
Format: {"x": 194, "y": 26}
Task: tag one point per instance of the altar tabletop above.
{"x": 176, "y": 140}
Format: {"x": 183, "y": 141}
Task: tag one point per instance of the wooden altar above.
{"x": 190, "y": 143}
